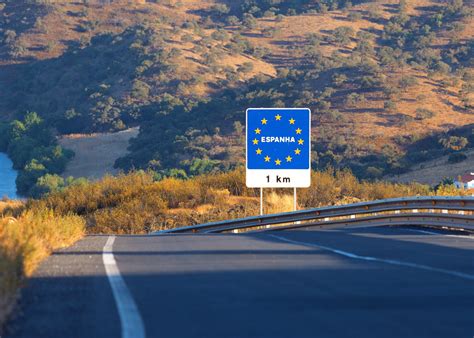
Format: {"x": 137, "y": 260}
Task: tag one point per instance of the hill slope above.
{"x": 377, "y": 76}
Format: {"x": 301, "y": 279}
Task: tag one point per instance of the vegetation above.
{"x": 25, "y": 240}
{"x": 141, "y": 202}
{"x": 35, "y": 153}
{"x": 379, "y": 79}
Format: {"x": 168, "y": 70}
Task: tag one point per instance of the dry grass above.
{"x": 24, "y": 242}
{"x": 276, "y": 203}
{"x": 96, "y": 153}
{"x": 134, "y": 203}
{"x": 10, "y": 206}
{"x": 433, "y": 172}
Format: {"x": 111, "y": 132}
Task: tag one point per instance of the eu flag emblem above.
{"x": 278, "y": 138}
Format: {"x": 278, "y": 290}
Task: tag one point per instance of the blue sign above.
{"x": 278, "y": 138}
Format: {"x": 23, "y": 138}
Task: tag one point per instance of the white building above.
{"x": 465, "y": 181}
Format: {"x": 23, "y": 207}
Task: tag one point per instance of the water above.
{"x": 7, "y": 177}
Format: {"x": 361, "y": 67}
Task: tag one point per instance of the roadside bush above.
{"x": 24, "y": 242}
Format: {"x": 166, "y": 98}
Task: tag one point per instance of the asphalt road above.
{"x": 365, "y": 282}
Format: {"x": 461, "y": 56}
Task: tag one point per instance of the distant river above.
{"x": 7, "y": 177}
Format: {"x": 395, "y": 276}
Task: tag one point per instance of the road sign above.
{"x": 278, "y": 147}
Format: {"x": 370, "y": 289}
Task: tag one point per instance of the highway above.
{"x": 349, "y": 282}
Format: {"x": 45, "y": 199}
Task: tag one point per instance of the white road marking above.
{"x": 375, "y": 259}
{"x": 441, "y": 234}
{"x": 130, "y": 319}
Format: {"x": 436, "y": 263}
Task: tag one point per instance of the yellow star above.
{"x": 292, "y": 121}
{"x": 267, "y": 158}
{"x": 288, "y": 158}
{"x": 257, "y": 131}
{"x": 298, "y": 131}
{"x": 297, "y": 151}
{"x": 277, "y": 161}
{"x": 278, "y": 117}
{"x": 255, "y": 141}
{"x": 264, "y": 121}
{"x": 258, "y": 151}
{"x": 300, "y": 141}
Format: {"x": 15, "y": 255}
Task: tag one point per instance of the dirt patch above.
{"x": 96, "y": 153}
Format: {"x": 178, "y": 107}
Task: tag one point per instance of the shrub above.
{"x": 24, "y": 242}
{"x": 422, "y": 114}
{"x": 454, "y": 142}
{"x": 140, "y": 90}
{"x": 246, "y": 67}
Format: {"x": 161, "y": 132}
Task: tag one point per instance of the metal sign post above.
{"x": 278, "y": 149}
{"x": 294, "y": 199}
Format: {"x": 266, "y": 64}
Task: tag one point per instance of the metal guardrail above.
{"x": 431, "y": 211}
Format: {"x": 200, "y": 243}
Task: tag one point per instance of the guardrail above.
{"x": 437, "y": 211}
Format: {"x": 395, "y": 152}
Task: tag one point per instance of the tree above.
{"x": 249, "y": 21}
{"x": 220, "y": 35}
{"x": 454, "y": 142}
{"x": 47, "y": 184}
{"x": 233, "y": 20}
{"x": 220, "y": 9}
{"x": 407, "y": 82}
{"x": 238, "y": 128}
{"x": 342, "y": 35}
{"x": 9, "y": 37}
{"x": 140, "y": 90}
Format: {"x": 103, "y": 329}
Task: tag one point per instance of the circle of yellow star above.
{"x": 264, "y": 121}
{"x": 292, "y": 121}
{"x": 257, "y": 131}
{"x": 288, "y": 158}
{"x": 278, "y": 117}
{"x": 297, "y": 151}
{"x": 298, "y": 131}
{"x": 267, "y": 158}
{"x": 277, "y": 161}
{"x": 255, "y": 141}
{"x": 258, "y": 151}
{"x": 300, "y": 141}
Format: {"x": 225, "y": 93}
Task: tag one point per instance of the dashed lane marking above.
{"x": 375, "y": 259}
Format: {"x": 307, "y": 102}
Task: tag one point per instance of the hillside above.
{"x": 378, "y": 76}
{"x": 435, "y": 171}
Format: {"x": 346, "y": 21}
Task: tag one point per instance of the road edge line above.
{"x": 375, "y": 259}
{"x": 131, "y": 321}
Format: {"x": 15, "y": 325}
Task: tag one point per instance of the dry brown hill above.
{"x": 209, "y": 53}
